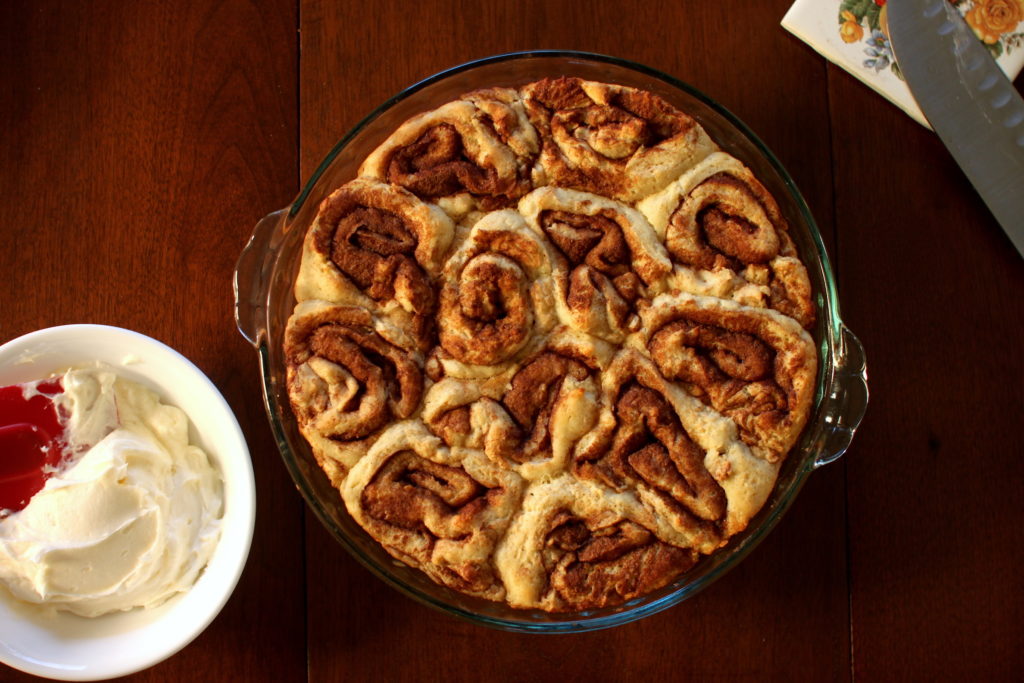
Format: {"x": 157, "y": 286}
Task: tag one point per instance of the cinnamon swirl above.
{"x": 683, "y": 461}
{"x": 439, "y": 509}
{"x": 574, "y": 547}
{"x": 478, "y": 149}
{"x": 347, "y": 380}
{"x": 609, "y": 258}
{"x": 377, "y": 246}
{"x": 728, "y": 238}
{"x": 752, "y": 365}
{"x": 529, "y": 419}
{"x": 495, "y": 292}
{"x": 611, "y": 140}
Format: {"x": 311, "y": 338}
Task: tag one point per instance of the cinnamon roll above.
{"x": 754, "y": 366}
{"x": 649, "y": 439}
{"x": 377, "y": 246}
{"x": 575, "y": 548}
{"x": 609, "y": 258}
{"x": 347, "y": 380}
{"x": 439, "y": 509}
{"x": 479, "y": 148}
{"x": 729, "y": 239}
{"x": 495, "y": 292}
{"x": 611, "y": 140}
{"x": 528, "y": 420}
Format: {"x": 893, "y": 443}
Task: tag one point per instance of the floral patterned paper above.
{"x": 854, "y": 35}
{"x": 995, "y": 22}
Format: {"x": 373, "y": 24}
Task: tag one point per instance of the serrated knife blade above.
{"x": 967, "y": 99}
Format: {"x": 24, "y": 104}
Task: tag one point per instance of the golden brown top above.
{"x": 551, "y": 345}
{"x": 610, "y": 140}
{"x": 727, "y": 237}
{"x": 494, "y": 292}
{"x": 481, "y": 145}
{"x": 753, "y": 366}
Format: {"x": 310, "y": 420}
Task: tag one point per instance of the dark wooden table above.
{"x": 140, "y": 142}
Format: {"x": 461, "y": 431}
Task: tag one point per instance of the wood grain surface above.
{"x": 140, "y": 143}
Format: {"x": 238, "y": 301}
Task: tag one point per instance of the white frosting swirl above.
{"x": 131, "y": 522}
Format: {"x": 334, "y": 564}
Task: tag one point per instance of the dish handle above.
{"x": 845, "y": 406}
{"x": 252, "y": 276}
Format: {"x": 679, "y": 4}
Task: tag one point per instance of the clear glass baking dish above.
{"x": 268, "y": 265}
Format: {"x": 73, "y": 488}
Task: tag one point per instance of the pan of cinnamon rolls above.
{"x": 550, "y": 341}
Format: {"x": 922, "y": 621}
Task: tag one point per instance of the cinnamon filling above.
{"x": 732, "y": 371}
{"x": 630, "y": 122}
{"x": 416, "y": 503}
{"x": 722, "y": 223}
{"x": 453, "y": 426}
{"x": 611, "y": 132}
{"x": 531, "y": 400}
{"x": 596, "y": 241}
{"x": 385, "y": 383}
{"x": 414, "y": 493}
{"x": 376, "y": 250}
{"x": 435, "y": 165}
{"x": 486, "y": 317}
{"x": 601, "y": 277}
{"x": 593, "y": 567}
{"x": 650, "y": 446}
{"x": 592, "y": 142}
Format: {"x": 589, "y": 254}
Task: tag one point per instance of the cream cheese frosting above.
{"x": 131, "y": 520}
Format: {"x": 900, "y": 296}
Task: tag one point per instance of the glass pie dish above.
{"x": 268, "y": 266}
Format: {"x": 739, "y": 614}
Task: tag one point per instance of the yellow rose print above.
{"x": 990, "y": 19}
{"x": 850, "y": 30}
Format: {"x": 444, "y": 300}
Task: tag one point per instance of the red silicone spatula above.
{"x": 31, "y": 440}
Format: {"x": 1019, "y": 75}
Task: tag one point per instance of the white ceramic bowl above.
{"x": 64, "y": 646}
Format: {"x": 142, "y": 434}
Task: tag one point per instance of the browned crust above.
{"x": 627, "y": 125}
{"x": 753, "y": 366}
